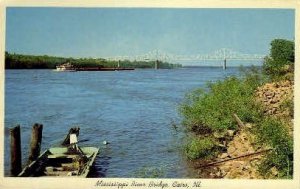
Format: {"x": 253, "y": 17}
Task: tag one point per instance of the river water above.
{"x": 135, "y": 111}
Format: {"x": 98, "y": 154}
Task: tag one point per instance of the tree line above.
{"x": 20, "y": 61}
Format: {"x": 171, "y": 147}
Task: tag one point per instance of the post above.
{"x": 15, "y": 151}
{"x": 36, "y": 140}
{"x": 119, "y": 64}
{"x": 224, "y": 64}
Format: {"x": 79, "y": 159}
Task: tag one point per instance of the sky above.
{"x": 107, "y": 32}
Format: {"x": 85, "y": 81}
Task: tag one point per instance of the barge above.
{"x": 70, "y": 68}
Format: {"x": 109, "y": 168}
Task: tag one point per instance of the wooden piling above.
{"x": 36, "y": 140}
{"x": 15, "y": 149}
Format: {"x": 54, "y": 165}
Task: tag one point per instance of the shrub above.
{"x": 288, "y": 104}
{"x": 200, "y": 148}
{"x": 211, "y": 111}
{"x": 273, "y": 133}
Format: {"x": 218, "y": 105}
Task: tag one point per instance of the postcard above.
{"x": 140, "y": 94}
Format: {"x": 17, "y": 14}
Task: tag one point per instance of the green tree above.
{"x": 282, "y": 49}
{"x": 281, "y": 59}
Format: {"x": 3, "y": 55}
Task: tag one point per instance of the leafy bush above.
{"x": 273, "y": 133}
{"x": 200, "y": 148}
{"x": 288, "y": 104}
{"x": 211, "y": 111}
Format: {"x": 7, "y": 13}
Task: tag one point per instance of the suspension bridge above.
{"x": 223, "y": 56}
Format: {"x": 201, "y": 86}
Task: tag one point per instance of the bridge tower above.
{"x": 224, "y": 64}
{"x": 156, "y": 66}
{"x": 224, "y": 58}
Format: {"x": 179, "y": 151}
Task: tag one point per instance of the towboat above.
{"x": 66, "y": 67}
{"x": 65, "y": 161}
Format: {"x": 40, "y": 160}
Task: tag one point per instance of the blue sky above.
{"x": 102, "y": 32}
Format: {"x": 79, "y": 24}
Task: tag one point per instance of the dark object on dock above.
{"x": 67, "y": 160}
{"x": 15, "y": 148}
{"x": 73, "y": 130}
{"x": 36, "y": 140}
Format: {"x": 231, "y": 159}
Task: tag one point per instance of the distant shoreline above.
{"x": 21, "y": 61}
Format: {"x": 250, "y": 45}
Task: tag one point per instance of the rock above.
{"x": 245, "y": 176}
{"x": 274, "y": 171}
{"x": 221, "y": 145}
{"x": 236, "y": 164}
{"x": 224, "y": 173}
{"x": 234, "y": 174}
{"x": 230, "y": 133}
{"x": 219, "y": 135}
{"x": 254, "y": 162}
{"x": 231, "y": 150}
{"x": 247, "y": 167}
{"x": 269, "y": 94}
{"x": 273, "y": 111}
{"x": 227, "y": 168}
{"x": 218, "y": 174}
{"x": 248, "y": 125}
{"x": 239, "y": 146}
{"x": 244, "y": 151}
{"x": 223, "y": 155}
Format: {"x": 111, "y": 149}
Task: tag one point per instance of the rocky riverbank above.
{"x": 275, "y": 98}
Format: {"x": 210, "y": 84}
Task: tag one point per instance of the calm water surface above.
{"x": 133, "y": 110}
